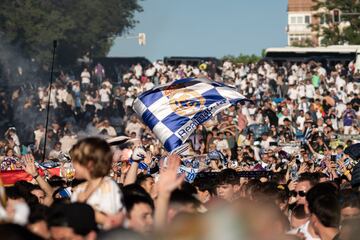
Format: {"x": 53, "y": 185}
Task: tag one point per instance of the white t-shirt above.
{"x": 41, "y": 93}
{"x": 310, "y": 91}
{"x": 62, "y": 95}
{"x": 134, "y": 127}
{"x": 148, "y": 86}
{"x": 293, "y": 93}
{"x": 221, "y": 145}
{"x": 104, "y": 95}
{"x": 301, "y": 91}
{"x": 300, "y": 121}
{"x": 150, "y": 72}
{"x": 266, "y": 144}
{"x": 129, "y": 101}
{"x": 110, "y": 130}
{"x": 350, "y": 88}
{"x": 106, "y": 198}
{"x": 138, "y": 70}
{"x": 85, "y": 77}
{"x": 340, "y": 83}
{"x": 67, "y": 142}
{"x": 292, "y": 79}
{"x": 321, "y": 71}
{"x": 38, "y": 136}
{"x": 54, "y": 154}
{"x": 304, "y": 229}
{"x": 340, "y": 108}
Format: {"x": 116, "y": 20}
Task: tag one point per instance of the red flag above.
{"x": 11, "y": 177}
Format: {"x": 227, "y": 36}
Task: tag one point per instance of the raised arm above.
{"x": 310, "y": 147}
{"x": 137, "y": 156}
{"x": 168, "y": 182}
{"x": 30, "y": 168}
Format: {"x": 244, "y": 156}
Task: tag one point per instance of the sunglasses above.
{"x": 301, "y": 193}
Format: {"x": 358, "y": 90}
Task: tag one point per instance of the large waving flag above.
{"x": 174, "y": 110}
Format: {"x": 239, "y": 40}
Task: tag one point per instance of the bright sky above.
{"x": 205, "y": 28}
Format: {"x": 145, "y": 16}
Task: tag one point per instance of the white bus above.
{"x": 328, "y": 56}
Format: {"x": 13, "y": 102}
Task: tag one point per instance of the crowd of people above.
{"x": 283, "y": 166}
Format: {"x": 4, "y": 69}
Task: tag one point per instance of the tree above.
{"x": 347, "y": 31}
{"x": 303, "y": 43}
{"x": 81, "y": 26}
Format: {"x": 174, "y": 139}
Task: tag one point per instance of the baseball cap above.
{"x": 78, "y": 216}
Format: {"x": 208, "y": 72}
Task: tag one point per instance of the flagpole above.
{"x": 49, "y": 99}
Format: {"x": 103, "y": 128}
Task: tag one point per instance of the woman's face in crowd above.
{"x": 10, "y": 153}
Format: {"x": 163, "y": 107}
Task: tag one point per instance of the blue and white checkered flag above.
{"x": 174, "y": 110}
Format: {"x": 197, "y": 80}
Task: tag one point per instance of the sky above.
{"x": 205, "y": 28}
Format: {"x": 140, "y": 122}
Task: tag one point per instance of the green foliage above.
{"x": 334, "y": 34}
{"x": 80, "y": 26}
{"x": 242, "y": 58}
{"x": 306, "y": 43}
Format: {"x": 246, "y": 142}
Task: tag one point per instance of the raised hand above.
{"x": 303, "y": 168}
{"x": 148, "y": 158}
{"x": 124, "y": 168}
{"x": 29, "y": 164}
{"x": 168, "y": 182}
{"x": 168, "y": 179}
{"x": 138, "y": 154}
{"x": 292, "y": 185}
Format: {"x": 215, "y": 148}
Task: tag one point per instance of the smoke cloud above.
{"x": 19, "y": 79}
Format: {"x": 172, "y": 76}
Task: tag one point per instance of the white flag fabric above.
{"x": 174, "y": 110}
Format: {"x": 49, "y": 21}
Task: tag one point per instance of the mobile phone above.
{"x": 333, "y": 158}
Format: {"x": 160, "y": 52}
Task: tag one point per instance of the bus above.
{"x": 192, "y": 61}
{"x": 328, "y": 56}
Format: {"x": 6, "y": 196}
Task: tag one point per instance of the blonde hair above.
{"x": 94, "y": 154}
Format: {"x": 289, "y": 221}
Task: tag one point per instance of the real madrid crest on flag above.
{"x": 174, "y": 110}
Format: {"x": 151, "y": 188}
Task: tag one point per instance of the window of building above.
{"x": 298, "y": 38}
{"x": 300, "y": 20}
{"x": 323, "y": 19}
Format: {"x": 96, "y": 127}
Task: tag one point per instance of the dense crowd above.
{"x": 283, "y": 166}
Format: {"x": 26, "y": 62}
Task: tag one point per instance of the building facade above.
{"x": 300, "y": 16}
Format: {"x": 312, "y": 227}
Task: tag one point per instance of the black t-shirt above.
{"x": 355, "y": 103}
{"x": 272, "y": 116}
{"x": 126, "y": 85}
